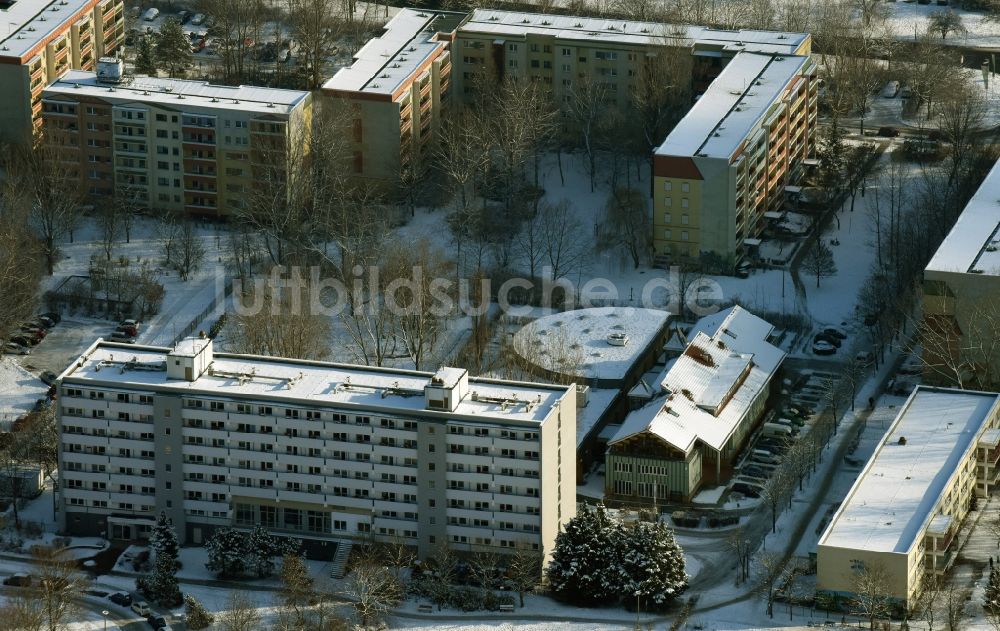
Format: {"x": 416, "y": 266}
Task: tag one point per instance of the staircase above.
{"x": 339, "y": 563}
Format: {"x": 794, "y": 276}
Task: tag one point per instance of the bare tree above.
{"x": 564, "y": 246}
{"x": 661, "y": 94}
{"x": 110, "y": 227}
{"x": 945, "y": 21}
{"x": 315, "y": 29}
{"x": 276, "y": 322}
{"x": 955, "y": 605}
{"x": 524, "y": 570}
{"x": 589, "y": 110}
{"x": 50, "y": 193}
{"x": 819, "y": 261}
{"x": 184, "y": 250}
{"x": 416, "y": 290}
{"x": 22, "y": 611}
{"x": 929, "y": 602}
{"x": 374, "y": 590}
{"x": 961, "y": 113}
{"x": 739, "y": 542}
{"x": 967, "y": 354}
{"x": 627, "y": 224}
{"x": 59, "y": 587}
{"x": 772, "y": 574}
{"x": 777, "y": 488}
{"x": 20, "y": 267}
{"x": 870, "y": 585}
{"x": 236, "y": 27}
{"x": 240, "y": 614}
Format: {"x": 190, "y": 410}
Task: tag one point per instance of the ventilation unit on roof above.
{"x": 975, "y": 270}
{"x": 421, "y": 15}
{"x": 525, "y": 21}
{"x": 375, "y": 85}
{"x": 493, "y": 18}
{"x": 215, "y": 100}
{"x": 395, "y": 66}
{"x": 31, "y": 29}
{"x": 779, "y": 59}
{"x": 578, "y": 25}
{"x": 383, "y": 76}
{"x": 546, "y": 23}
{"x": 180, "y": 97}
{"x": 270, "y": 104}
{"x": 411, "y": 48}
{"x": 235, "y": 102}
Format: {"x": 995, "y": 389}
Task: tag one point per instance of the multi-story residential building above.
{"x": 176, "y": 145}
{"x": 42, "y": 41}
{"x": 395, "y": 93}
{"x": 728, "y": 161}
{"x": 313, "y": 450}
{"x": 960, "y": 292}
{"x": 561, "y": 51}
{"x": 707, "y": 404}
{"x": 902, "y": 514}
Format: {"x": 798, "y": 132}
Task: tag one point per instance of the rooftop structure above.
{"x": 31, "y": 23}
{"x": 386, "y": 63}
{"x": 180, "y": 93}
{"x": 602, "y": 344}
{"x": 316, "y": 382}
{"x": 896, "y": 496}
{"x": 973, "y": 245}
{"x": 735, "y": 103}
{"x": 510, "y": 23}
{"x": 711, "y": 387}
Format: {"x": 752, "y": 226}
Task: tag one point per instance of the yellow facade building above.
{"x": 728, "y": 161}
{"x": 900, "y": 518}
{"x": 395, "y": 93}
{"x": 175, "y": 145}
{"x": 42, "y": 42}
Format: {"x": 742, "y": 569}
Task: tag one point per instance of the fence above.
{"x": 198, "y": 319}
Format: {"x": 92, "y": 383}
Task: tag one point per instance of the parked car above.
{"x": 888, "y": 132}
{"x": 199, "y": 18}
{"x": 151, "y": 14}
{"x": 835, "y": 332}
{"x": 121, "y": 598}
{"x": 891, "y": 89}
{"x": 11, "y": 348}
{"x": 129, "y": 322}
{"x": 52, "y": 315}
{"x": 141, "y": 608}
{"x": 821, "y": 337}
{"x": 284, "y": 55}
{"x": 48, "y": 377}
{"x": 18, "y": 580}
{"x": 156, "y": 621}
{"x": 23, "y": 340}
{"x": 38, "y": 333}
{"x": 183, "y": 16}
{"x": 746, "y": 489}
{"x": 119, "y": 336}
{"x": 127, "y": 330}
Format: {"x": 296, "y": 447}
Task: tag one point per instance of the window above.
{"x": 512, "y": 48}
{"x": 685, "y": 187}
{"x": 684, "y": 219}
{"x": 684, "y": 202}
{"x": 667, "y": 218}
{"x": 684, "y": 235}
{"x": 566, "y": 52}
{"x": 667, "y": 186}
{"x": 668, "y": 234}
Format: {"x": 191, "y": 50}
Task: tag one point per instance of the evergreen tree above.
{"x": 585, "y": 567}
{"x": 261, "y": 548}
{"x": 173, "y": 48}
{"x": 145, "y": 61}
{"x": 226, "y": 553}
{"x": 160, "y": 585}
{"x": 197, "y": 616}
{"x": 163, "y": 539}
{"x": 654, "y": 563}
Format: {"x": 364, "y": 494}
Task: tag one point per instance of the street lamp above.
{"x": 105, "y": 614}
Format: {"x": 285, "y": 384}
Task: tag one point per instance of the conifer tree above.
{"x": 145, "y": 60}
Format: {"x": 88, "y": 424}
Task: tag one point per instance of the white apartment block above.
{"x": 314, "y": 450}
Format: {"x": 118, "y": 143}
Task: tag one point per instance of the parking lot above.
{"x": 64, "y": 343}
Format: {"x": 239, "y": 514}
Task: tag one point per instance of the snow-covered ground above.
{"x": 19, "y": 389}
{"x": 910, "y": 19}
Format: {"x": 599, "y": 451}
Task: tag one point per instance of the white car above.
{"x": 199, "y": 18}
{"x": 141, "y": 608}
{"x": 823, "y": 348}
{"x": 10, "y": 348}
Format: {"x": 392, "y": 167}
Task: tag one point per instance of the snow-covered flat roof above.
{"x": 899, "y": 491}
{"x": 733, "y": 105}
{"x": 27, "y": 23}
{"x": 974, "y": 240}
{"x": 275, "y": 379}
{"x": 19, "y": 389}
{"x": 388, "y": 61}
{"x": 711, "y": 385}
{"x": 497, "y": 23}
{"x": 576, "y": 342}
{"x": 598, "y": 402}
{"x": 179, "y": 93}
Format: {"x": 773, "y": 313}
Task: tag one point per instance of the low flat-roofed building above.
{"x": 709, "y": 401}
{"x": 174, "y": 144}
{"x": 318, "y": 451}
{"x": 728, "y": 161}
{"x": 960, "y": 292}
{"x": 905, "y": 508}
{"x": 43, "y": 40}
